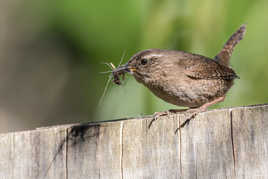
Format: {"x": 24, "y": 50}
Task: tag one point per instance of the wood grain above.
{"x": 223, "y": 143}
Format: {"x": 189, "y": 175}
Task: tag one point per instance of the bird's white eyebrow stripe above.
{"x": 150, "y": 56}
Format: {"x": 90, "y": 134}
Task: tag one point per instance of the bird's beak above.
{"x": 126, "y": 68}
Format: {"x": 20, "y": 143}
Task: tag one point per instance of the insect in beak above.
{"x": 118, "y": 72}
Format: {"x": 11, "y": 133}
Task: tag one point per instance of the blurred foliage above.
{"x": 101, "y": 31}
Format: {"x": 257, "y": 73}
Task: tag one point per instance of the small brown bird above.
{"x": 185, "y": 79}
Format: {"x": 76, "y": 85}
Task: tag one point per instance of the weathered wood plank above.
{"x": 224, "y": 143}
{"x": 207, "y": 147}
{"x": 109, "y": 150}
{"x": 250, "y": 131}
{"x": 33, "y": 154}
{"x": 150, "y": 153}
{"x": 6, "y": 155}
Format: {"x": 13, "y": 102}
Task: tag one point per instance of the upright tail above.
{"x": 225, "y": 54}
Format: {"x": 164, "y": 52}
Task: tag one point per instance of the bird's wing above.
{"x": 200, "y": 67}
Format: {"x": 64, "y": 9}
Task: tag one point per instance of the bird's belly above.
{"x": 193, "y": 93}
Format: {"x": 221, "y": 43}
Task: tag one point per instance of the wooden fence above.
{"x": 223, "y": 143}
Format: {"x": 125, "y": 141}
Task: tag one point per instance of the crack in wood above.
{"x": 232, "y": 140}
{"x": 196, "y": 151}
{"x": 66, "y": 154}
{"x": 13, "y": 150}
{"x": 180, "y": 145}
{"x": 121, "y": 148}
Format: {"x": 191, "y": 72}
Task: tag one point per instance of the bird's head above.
{"x": 144, "y": 64}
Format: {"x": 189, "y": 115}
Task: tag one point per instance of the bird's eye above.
{"x": 144, "y": 61}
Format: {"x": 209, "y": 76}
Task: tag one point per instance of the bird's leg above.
{"x": 215, "y": 101}
{"x": 200, "y": 109}
{"x": 195, "y": 111}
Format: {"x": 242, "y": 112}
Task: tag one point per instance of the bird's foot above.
{"x": 164, "y": 113}
{"x": 156, "y": 115}
{"x": 194, "y": 112}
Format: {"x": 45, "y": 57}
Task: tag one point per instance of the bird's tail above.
{"x": 225, "y": 54}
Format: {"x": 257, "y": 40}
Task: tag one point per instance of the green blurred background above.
{"x": 52, "y": 53}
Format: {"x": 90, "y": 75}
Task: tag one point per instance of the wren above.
{"x": 182, "y": 78}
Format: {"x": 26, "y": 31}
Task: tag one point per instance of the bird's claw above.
{"x": 187, "y": 121}
{"x": 158, "y": 115}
